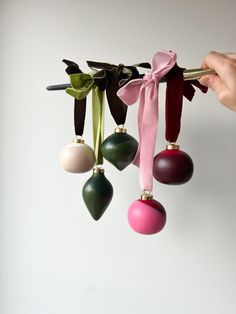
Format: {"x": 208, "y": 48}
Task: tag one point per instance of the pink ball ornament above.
{"x": 146, "y": 215}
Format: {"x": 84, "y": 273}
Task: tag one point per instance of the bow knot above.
{"x": 110, "y": 77}
{"x": 150, "y": 77}
{"x": 146, "y": 89}
{"x": 120, "y": 68}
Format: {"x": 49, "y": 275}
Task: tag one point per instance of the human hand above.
{"x": 224, "y": 82}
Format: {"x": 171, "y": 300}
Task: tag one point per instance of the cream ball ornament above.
{"x": 77, "y": 157}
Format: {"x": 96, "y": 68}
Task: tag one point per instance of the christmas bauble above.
{"x": 172, "y": 166}
{"x": 119, "y": 148}
{"x": 97, "y": 193}
{"x": 77, "y": 157}
{"x": 146, "y": 215}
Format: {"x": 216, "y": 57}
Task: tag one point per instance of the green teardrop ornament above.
{"x": 119, "y": 148}
{"x": 97, "y": 193}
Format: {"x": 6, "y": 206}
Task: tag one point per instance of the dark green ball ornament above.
{"x": 119, "y": 148}
{"x": 97, "y": 193}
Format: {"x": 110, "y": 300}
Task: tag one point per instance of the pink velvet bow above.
{"x": 146, "y": 89}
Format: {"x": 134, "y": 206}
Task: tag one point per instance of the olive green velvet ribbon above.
{"x": 81, "y": 85}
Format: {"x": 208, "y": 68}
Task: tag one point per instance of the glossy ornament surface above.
{"x": 146, "y": 216}
{"x": 119, "y": 148}
{"x": 77, "y": 157}
{"x": 172, "y": 166}
{"x": 97, "y": 193}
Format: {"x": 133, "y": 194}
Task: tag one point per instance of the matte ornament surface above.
{"x": 97, "y": 194}
{"x": 146, "y": 216}
{"x": 77, "y": 158}
{"x": 172, "y": 166}
{"x": 119, "y": 149}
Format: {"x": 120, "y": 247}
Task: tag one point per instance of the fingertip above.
{"x": 204, "y": 80}
{"x": 213, "y": 52}
{"x": 208, "y": 61}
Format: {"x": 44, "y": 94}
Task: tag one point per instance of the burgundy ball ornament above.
{"x": 77, "y": 157}
{"x": 146, "y": 215}
{"x": 172, "y": 166}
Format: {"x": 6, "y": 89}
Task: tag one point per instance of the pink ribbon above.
{"x": 146, "y": 89}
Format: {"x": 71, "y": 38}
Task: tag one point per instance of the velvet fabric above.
{"x": 146, "y": 90}
{"x": 111, "y": 77}
{"x": 79, "y": 105}
{"x": 81, "y": 85}
{"x": 175, "y": 90}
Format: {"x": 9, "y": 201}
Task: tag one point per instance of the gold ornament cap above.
{"x": 120, "y": 130}
{"x": 146, "y": 196}
{"x": 78, "y": 140}
{"x": 172, "y": 146}
{"x": 98, "y": 170}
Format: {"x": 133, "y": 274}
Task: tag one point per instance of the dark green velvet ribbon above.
{"x": 79, "y": 105}
{"x": 111, "y": 77}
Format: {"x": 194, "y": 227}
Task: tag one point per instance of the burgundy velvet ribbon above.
{"x": 79, "y": 105}
{"x": 176, "y": 89}
{"x": 111, "y": 77}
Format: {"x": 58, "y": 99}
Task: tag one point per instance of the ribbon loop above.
{"x": 189, "y": 90}
{"x": 72, "y": 67}
{"x": 81, "y": 83}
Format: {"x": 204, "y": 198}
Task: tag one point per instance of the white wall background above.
{"x": 54, "y": 258}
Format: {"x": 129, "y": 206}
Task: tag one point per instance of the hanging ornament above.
{"x": 119, "y": 148}
{"x": 172, "y": 165}
{"x": 97, "y": 193}
{"x": 146, "y": 215}
{"x": 146, "y": 210}
{"x": 77, "y": 157}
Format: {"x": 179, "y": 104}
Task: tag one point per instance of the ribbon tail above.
{"x": 98, "y": 123}
{"x": 174, "y": 103}
{"x": 148, "y": 137}
{"x": 117, "y": 108}
{"x": 79, "y": 115}
{"x": 189, "y": 90}
{"x": 196, "y": 83}
{"x": 136, "y": 160}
